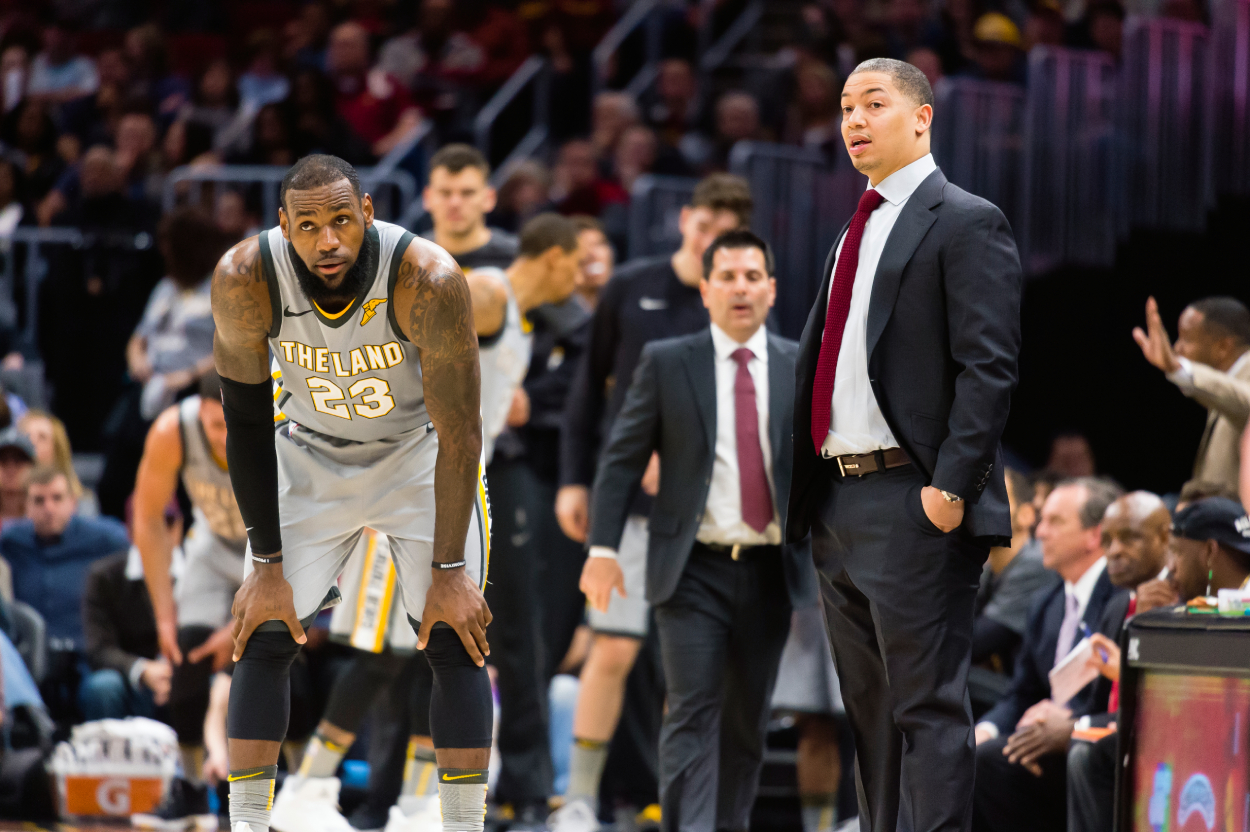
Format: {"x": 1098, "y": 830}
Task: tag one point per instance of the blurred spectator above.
{"x": 673, "y": 114}
{"x": 29, "y": 130}
{"x": 51, "y": 446}
{"x": 572, "y": 75}
{"x": 523, "y": 194}
{"x": 1210, "y": 363}
{"x": 611, "y": 115}
{"x": 93, "y": 118}
{"x": 148, "y": 58}
{"x": 1105, "y": 23}
{"x": 1071, "y": 456}
{"x": 838, "y": 33}
{"x": 271, "y": 142}
{"x": 578, "y": 187}
{"x": 598, "y": 260}
{"x": 215, "y": 102}
{"x": 1025, "y": 791}
{"x": 1209, "y": 549}
{"x": 315, "y": 124}
{"x": 11, "y": 208}
{"x": 15, "y": 72}
{"x": 1044, "y": 26}
{"x": 93, "y": 195}
{"x": 187, "y": 142}
{"x": 305, "y": 37}
{"x": 57, "y": 73}
{"x": 17, "y": 456}
{"x": 262, "y": 83}
{"x": 1136, "y": 533}
{"x": 814, "y": 117}
{"x": 905, "y": 26}
{"x": 378, "y": 108}
{"x": 928, "y": 62}
{"x": 737, "y": 119}
{"x": 997, "y": 49}
{"x": 137, "y": 158}
{"x": 636, "y": 153}
{"x": 234, "y": 217}
{"x": 1011, "y": 577}
{"x": 50, "y": 553}
{"x": 128, "y": 676}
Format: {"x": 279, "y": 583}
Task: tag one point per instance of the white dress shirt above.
{"x": 722, "y": 515}
{"x": 1183, "y": 376}
{"x": 856, "y": 425}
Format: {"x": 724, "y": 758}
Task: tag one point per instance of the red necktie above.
{"x": 835, "y": 321}
{"x": 757, "y": 502}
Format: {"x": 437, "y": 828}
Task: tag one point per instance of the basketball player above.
{"x": 372, "y": 330}
{"x": 188, "y": 441}
{"x": 545, "y": 272}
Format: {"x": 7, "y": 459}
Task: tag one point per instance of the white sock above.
{"x": 462, "y": 792}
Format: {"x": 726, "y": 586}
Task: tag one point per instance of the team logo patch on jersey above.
{"x": 370, "y": 309}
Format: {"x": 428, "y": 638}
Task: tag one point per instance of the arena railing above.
{"x": 643, "y": 14}
{"x": 532, "y": 77}
{"x": 978, "y": 140}
{"x": 1073, "y": 183}
{"x": 393, "y": 189}
{"x": 1228, "y": 109}
{"x": 801, "y": 203}
{"x": 714, "y": 54}
{"x": 1162, "y": 116}
{"x": 654, "y": 205}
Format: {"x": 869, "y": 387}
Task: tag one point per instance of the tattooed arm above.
{"x": 243, "y": 315}
{"x": 434, "y": 309}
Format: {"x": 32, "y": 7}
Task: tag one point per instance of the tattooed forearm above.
{"x": 433, "y": 303}
{"x": 242, "y": 314}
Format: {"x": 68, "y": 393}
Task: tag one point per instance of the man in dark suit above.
{"x": 1020, "y": 759}
{"x": 904, "y": 379}
{"x": 716, "y": 405}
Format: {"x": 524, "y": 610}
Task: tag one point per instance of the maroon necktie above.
{"x": 835, "y": 321}
{"x": 757, "y": 502}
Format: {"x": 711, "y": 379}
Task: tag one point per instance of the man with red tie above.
{"x": 717, "y": 406}
{"x": 904, "y": 379}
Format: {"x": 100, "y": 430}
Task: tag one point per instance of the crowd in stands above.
{"x": 100, "y": 106}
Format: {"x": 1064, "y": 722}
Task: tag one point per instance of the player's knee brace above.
{"x": 260, "y": 694}
{"x": 461, "y": 708}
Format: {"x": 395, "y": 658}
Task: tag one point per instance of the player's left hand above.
{"x": 455, "y": 599}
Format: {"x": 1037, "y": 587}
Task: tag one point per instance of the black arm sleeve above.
{"x": 253, "y": 460}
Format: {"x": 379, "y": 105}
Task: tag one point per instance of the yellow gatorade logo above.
{"x": 370, "y": 309}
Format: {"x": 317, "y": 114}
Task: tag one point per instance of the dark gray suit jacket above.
{"x": 943, "y": 339}
{"x": 671, "y": 408}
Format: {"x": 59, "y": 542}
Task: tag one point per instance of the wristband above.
{"x": 455, "y": 564}
{"x": 267, "y": 558}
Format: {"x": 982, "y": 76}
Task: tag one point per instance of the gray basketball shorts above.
{"x": 627, "y": 616}
{"x": 211, "y": 576}
{"x": 330, "y": 490}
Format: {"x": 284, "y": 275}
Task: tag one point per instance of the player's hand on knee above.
{"x": 456, "y": 600}
{"x": 573, "y": 511}
{"x": 599, "y": 577}
{"x": 264, "y": 596}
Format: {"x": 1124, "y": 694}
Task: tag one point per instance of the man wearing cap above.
{"x": 1209, "y": 551}
{"x": 17, "y": 455}
{"x": 997, "y": 49}
{"x": 50, "y": 553}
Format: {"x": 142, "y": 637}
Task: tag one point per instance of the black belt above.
{"x": 857, "y": 465}
{"x": 737, "y": 551}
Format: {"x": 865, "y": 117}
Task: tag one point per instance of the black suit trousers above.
{"x": 898, "y": 598}
{"x": 1009, "y": 797}
{"x": 721, "y": 637}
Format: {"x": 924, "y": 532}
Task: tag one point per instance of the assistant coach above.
{"x": 903, "y": 382}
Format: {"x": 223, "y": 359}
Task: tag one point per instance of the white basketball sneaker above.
{"x": 416, "y": 814}
{"x": 574, "y": 816}
{"x": 308, "y": 804}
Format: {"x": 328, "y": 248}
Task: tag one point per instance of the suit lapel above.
{"x": 701, "y": 368}
{"x": 909, "y": 229}
{"x": 777, "y": 394}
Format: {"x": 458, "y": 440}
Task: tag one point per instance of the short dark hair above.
{"x": 724, "y": 192}
{"x": 1100, "y": 492}
{"x": 191, "y": 244}
{"x": 457, "y": 156}
{"x": 585, "y": 222}
{"x": 547, "y": 230}
{"x": 210, "y": 386}
{"x": 910, "y": 81}
{"x": 316, "y": 170}
{"x": 737, "y": 238}
{"x": 1225, "y": 316}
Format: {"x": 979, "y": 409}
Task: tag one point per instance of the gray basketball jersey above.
{"x": 504, "y": 359}
{"x": 350, "y": 375}
{"x": 207, "y": 481}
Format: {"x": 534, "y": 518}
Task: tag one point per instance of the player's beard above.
{"x": 358, "y": 277}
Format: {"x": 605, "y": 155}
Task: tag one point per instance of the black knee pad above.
{"x": 260, "y": 695}
{"x": 358, "y": 685}
{"x": 461, "y": 708}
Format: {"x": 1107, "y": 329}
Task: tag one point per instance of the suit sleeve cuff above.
{"x": 990, "y": 728}
{"x": 602, "y": 552}
{"x": 1182, "y": 377}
